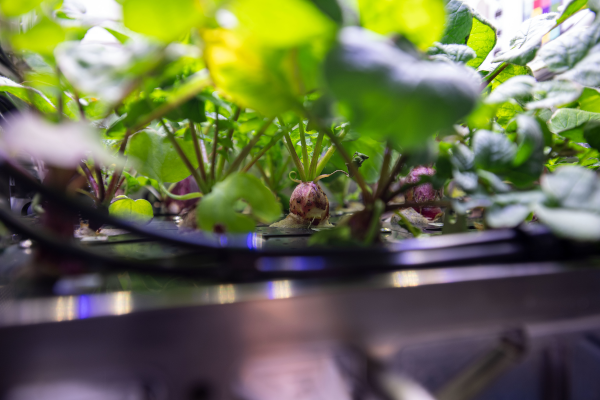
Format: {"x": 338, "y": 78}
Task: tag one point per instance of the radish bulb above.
{"x": 422, "y": 193}
{"x": 309, "y": 206}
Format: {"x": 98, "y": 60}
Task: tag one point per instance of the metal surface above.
{"x": 190, "y": 346}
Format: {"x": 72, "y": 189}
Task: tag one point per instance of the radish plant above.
{"x": 242, "y": 97}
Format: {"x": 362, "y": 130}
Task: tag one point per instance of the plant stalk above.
{"x": 303, "y": 142}
{"x": 261, "y": 153}
{"x": 213, "y": 154}
{"x": 328, "y": 154}
{"x": 181, "y": 154}
{"x": 221, "y": 162}
{"x": 246, "y": 150}
{"x": 90, "y": 178}
{"x": 292, "y": 151}
{"x": 315, "y": 158}
{"x": 385, "y": 166}
{"x": 199, "y": 157}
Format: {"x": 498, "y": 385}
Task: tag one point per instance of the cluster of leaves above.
{"x": 236, "y": 93}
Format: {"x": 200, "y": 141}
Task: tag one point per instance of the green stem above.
{"x": 385, "y": 170}
{"x": 196, "y": 139}
{"x": 181, "y": 154}
{"x": 292, "y": 151}
{"x": 354, "y": 172}
{"x": 303, "y": 142}
{"x": 261, "y": 153}
{"x": 213, "y": 155}
{"x": 315, "y": 158}
{"x": 221, "y": 162}
{"x": 373, "y": 230}
{"x": 246, "y": 150}
{"x": 188, "y": 196}
{"x": 330, "y": 151}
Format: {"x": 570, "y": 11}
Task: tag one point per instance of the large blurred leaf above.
{"x": 571, "y": 224}
{"x": 386, "y": 92}
{"x": 157, "y": 158}
{"x": 282, "y": 23}
{"x": 14, "y": 8}
{"x": 42, "y": 38}
{"x": 562, "y": 53}
{"x": 421, "y": 21}
{"x": 554, "y": 93}
{"x": 493, "y": 151}
{"x": 160, "y": 19}
{"x": 517, "y": 87}
{"x": 586, "y": 71}
{"x": 102, "y": 70}
{"x": 528, "y": 163}
{"x": 216, "y": 209}
{"x": 571, "y": 8}
{"x": 253, "y": 76}
{"x": 567, "y": 119}
{"x": 590, "y": 100}
{"x": 134, "y": 210}
{"x": 459, "y": 53}
{"x": 570, "y": 186}
{"x": 482, "y": 39}
{"x": 459, "y": 21}
{"x": 525, "y": 44}
{"x": 28, "y": 95}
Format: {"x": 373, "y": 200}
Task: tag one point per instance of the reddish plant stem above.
{"x": 91, "y": 180}
{"x": 100, "y": 181}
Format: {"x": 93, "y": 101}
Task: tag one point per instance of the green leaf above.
{"x": 157, "y": 157}
{"x": 591, "y": 133}
{"x": 282, "y": 24}
{"x": 567, "y": 119}
{"x": 159, "y": 19}
{"x": 529, "y": 160}
{"x": 590, "y": 100}
{"x": 253, "y": 76}
{"x": 482, "y": 39}
{"x": 506, "y": 112}
{"x": 459, "y": 53}
{"x": 118, "y": 35}
{"x": 459, "y": 21}
{"x": 570, "y": 9}
{"x": 586, "y": 72}
{"x": 420, "y": 21}
{"x": 510, "y": 71}
{"x": 570, "y": 186}
{"x": 28, "y": 95}
{"x": 138, "y": 211}
{"x": 14, "y": 8}
{"x": 508, "y": 216}
{"x": 331, "y": 8}
{"x": 463, "y": 159}
{"x": 386, "y": 92}
{"x": 525, "y": 44}
{"x": 562, "y": 53}
{"x": 493, "y": 151}
{"x": 517, "y": 87}
{"x": 570, "y": 224}
{"x": 42, "y": 38}
{"x": 554, "y": 93}
{"x": 216, "y": 208}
